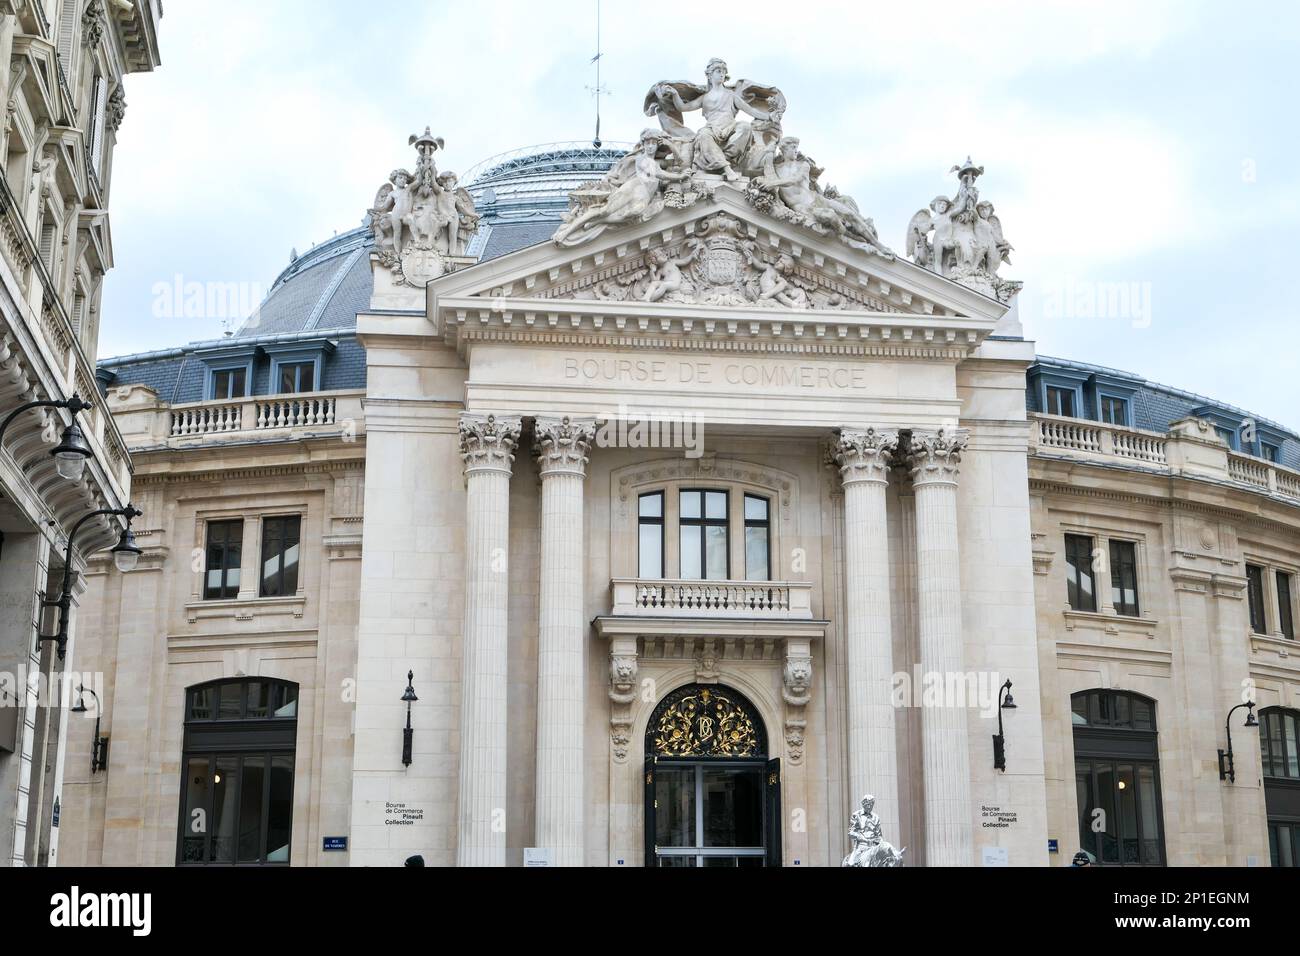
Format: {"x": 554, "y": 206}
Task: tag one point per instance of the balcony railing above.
{"x": 260, "y": 414}
{"x": 663, "y": 597}
{"x": 1190, "y": 448}
{"x": 148, "y": 423}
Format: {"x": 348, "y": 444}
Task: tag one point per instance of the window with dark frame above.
{"x": 1114, "y": 411}
{"x": 1123, "y": 577}
{"x": 758, "y": 539}
{"x": 297, "y": 377}
{"x": 650, "y": 535}
{"x": 1268, "y": 452}
{"x": 221, "y": 565}
{"x": 1117, "y": 771}
{"x": 1255, "y": 597}
{"x": 1080, "y": 580}
{"x": 702, "y": 518}
{"x": 238, "y": 759}
{"x": 280, "y": 555}
{"x": 229, "y": 383}
{"x": 1285, "y": 609}
{"x": 1060, "y": 401}
{"x": 1279, "y": 741}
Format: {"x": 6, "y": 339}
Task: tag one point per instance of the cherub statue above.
{"x": 775, "y": 282}
{"x": 456, "y": 213}
{"x": 988, "y": 234}
{"x": 393, "y": 205}
{"x": 868, "y": 846}
{"x": 927, "y": 251}
{"x": 723, "y": 142}
{"x": 629, "y": 193}
{"x": 665, "y": 273}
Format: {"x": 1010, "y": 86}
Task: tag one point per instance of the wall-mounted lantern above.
{"x": 408, "y": 735}
{"x": 1005, "y": 702}
{"x": 1226, "y": 769}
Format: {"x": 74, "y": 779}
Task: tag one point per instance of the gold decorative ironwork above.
{"x": 705, "y": 722}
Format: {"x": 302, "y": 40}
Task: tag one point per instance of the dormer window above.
{"x": 1060, "y": 401}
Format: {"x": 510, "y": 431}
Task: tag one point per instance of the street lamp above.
{"x": 125, "y": 556}
{"x": 1226, "y": 769}
{"x": 99, "y": 753}
{"x": 71, "y": 452}
{"x": 1006, "y": 702}
{"x": 408, "y": 735}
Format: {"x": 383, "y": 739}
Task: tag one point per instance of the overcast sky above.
{"x": 1142, "y": 156}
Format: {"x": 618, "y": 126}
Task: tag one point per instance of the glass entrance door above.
{"x": 709, "y": 813}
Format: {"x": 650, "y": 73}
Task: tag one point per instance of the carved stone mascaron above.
{"x": 488, "y": 444}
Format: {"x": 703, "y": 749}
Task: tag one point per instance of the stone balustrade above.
{"x": 146, "y": 422}
{"x": 1190, "y": 448}
{"x": 664, "y": 597}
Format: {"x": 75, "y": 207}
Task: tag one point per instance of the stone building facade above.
{"x": 62, "y": 70}
{"x": 671, "y": 525}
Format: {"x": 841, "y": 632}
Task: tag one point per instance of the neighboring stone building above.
{"x": 654, "y": 471}
{"x": 62, "y": 66}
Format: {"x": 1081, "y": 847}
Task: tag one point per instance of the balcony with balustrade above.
{"x": 1190, "y": 448}
{"x": 150, "y": 424}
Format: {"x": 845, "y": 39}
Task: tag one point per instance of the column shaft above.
{"x": 873, "y": 757}
{"x": 946, "y": 758}
{"x": 487, "y": 446}
{"x": 562, "y": 456}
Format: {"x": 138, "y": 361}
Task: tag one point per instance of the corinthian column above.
{"x": 934, "y": 457}
{"x": 488, "y": 448}
{"x": 562, "y": 448}
{"x": 864, "y": 458}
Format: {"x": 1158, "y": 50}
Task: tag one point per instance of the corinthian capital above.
{"x": 935, "y": 455}
{"x": 864, "y": 455}
{"x": 562, "y": 445}
{"x": 488, "y": 444}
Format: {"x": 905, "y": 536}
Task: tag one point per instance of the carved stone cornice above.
{"x": 488, "y": 443}
{"x": 563, "y": 445}
{"x": 934, "y": 456}
{"x": 864, "y": 455}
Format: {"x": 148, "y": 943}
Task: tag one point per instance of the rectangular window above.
{"x": 1114, "y": 411}
{"x": 297, "y": 377}
{"x": 1268, "y": 452}
{"x": 280, "y": 555}
{"x": 1123, "y": 577}
{"x": 757, "y": 539}
{"x": 221, "y": 571}
{"x": 650, "y": 525}
{"x": 1080, "y": 581}
{"x": 703, "y": 521}
{"x": 1285, "y": 616}
{"x": 1228, "y": 435}
{"x": 229, "y": 383}
{"x": 1060, "y": 401}
{"x": 1255, "y": 594}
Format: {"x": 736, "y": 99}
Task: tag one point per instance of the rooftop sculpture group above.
{"x": 677, "y": 166}
{"x": 961, "y": 238}
{"x": 421, "y": 220}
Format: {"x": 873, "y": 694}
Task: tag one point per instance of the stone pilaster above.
{"x": 562, "y": 449}
{"x": 863, "y": 458}
{"x": 487, "y": 447}
{"x": 934, "y": 458}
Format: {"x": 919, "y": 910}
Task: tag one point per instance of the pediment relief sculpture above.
{"x": 719, "y": 264}
{"x": 676, "y": 166}
{"x": 961, "y": 238}
{"x": 421, "y": 221}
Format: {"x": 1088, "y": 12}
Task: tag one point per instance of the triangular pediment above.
{"x": 728, "y": 257}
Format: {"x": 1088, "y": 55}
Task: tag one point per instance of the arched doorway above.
{"x": 236, "y": 805}
{"x": 1279, "y": 738}
{"x": 1117, "y": 777}
{"x": 712, "y": 796}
